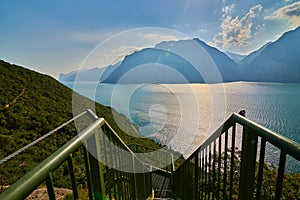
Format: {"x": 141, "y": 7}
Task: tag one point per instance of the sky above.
{"x": 56, "y": 36}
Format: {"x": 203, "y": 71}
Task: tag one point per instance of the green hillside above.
{"x": 32, "y": 104}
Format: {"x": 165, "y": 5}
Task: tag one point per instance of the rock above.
{"x": 42, "y": 194}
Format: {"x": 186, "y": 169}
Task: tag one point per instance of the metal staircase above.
{"x": 228, "y": 165}
{"x": 161, "y": 186}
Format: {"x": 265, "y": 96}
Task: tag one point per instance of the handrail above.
{"x": 163, "y": 156}
{"x": 42, "y": 137}
{"x": 25, "y": 185}
{"x": 289, "y": 146}
{"x": 216, "y": 168}
{"x": 229, "y": 122}
{"x": 159, "y": 170}
{"x": 102, "y": 180}
{"x": 118, "y": 137}
{"x": 211, "y": 172}
{"x": 142, "y": 146}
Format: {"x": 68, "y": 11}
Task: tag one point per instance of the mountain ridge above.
{"x": 257, "y": 66}
{"x": 279, "y": 61}
{"x": 250, "y": 57}
{"x": 235, "y": 56}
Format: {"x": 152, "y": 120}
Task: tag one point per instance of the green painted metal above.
{"x": 225, "y": 165}
{"x": 25, "y": 185}
{"x": 280, "y": 175}
{"x": 50, "y": 187}
{"x": 88, "y": 172}
{"x": 280, "y": 141}
{"x": 232, "y": 164}
{"x": 97, "y": 168}
{"x": 218, "y": 172}
{"x": 73, "y": 178}
{"x": 43, "y": 137}
{"x": 260, "y": 168}
{"x": 196, "y": 193}
{"x": 209, "y": 169}
{"x": 249, "y": 148}
{"x": 119, "y": 185}
{"x": 164, "y": 156}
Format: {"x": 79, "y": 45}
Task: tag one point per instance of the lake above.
{"x": 182, "y": 116}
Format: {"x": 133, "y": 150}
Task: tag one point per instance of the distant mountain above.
{"x": 153, "y": 65}
{"x": 170, "y": 62}
{"x": 87, "y": 74}
{"x": 279, "y": 61}
{"x": 94, "y": 74}
{"x": 229, "y": 70}
{"x": 235, "y": 57}
{"x": 164, "y": 63}
{"x": 248, "y": 59}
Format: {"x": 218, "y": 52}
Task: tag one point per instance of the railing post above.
{"x": 196, "y": 194}
{"x": 133, "y": 181}
{"x": 88, "y": 171}
{"x": 147, "y": 181}
{"x": 140, "y": 186}
{"x": 172, "y": 176}
{"x": 50, "y": 187}
{"x": 73, "y": 178}
{"x": 96, "y": 166}
{"x": 139, "y": 179}
{"x": 248, "y": 162}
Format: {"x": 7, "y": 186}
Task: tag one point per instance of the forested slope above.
{"x": 32, "y": 104}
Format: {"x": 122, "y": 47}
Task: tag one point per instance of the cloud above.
{"x": 116, "y": 48}
{"x": 119, "y": 54}
{"x": 87, "y": 37}
{"x": 104, "y": 56}
{"x": 202, "y": 31}
{"x": 290, "y": 13}
{"x": 158, "y": 37}
{"x": 236, "y": 31}
{"x": 112, "y": 48}
{"x": 228, "y": 9}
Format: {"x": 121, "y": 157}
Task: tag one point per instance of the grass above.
{"x": 32, "y": 104}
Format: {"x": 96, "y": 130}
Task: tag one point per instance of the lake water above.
{"x": 183, "y": 116}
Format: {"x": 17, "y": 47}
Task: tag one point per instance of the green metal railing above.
{"x": 104, "y": 182}
{"x": 219, "y": 169}
{"x": 164, "y": 157}
{"x": 228, "y": 165}
{"x": 161, "y": 177}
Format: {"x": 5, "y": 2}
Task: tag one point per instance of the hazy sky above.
{"x": 55, "y": 36}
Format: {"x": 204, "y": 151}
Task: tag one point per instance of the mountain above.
{"x": 182, "y": 61}
{"x": 230, "y": 71}
{"x": 32, "y": 104}
{"x": 235, "y": 57}
{"x": 86, "y": 74}
{"x": 153, "y": 65}
{"x": 167, "y": 62}
{"x": 248, "y": 59}
{"x": 279, "y": 61}
{"x": 94, "y": 74}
